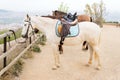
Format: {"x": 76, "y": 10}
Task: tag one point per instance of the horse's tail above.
{"x": 91, "y": 19}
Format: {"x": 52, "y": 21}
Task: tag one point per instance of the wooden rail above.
{"x": 4, "y": 37}
{"x": 16, "y": 59}
{"x": 8, "y": 33}
{"x": 6, "y": 53}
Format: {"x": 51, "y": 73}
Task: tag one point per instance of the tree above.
{"x": 96, "y": 11}
{"x": 63, "y": 7}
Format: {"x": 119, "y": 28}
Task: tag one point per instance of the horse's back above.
{"x": 89, "y": 26}
{"x": 90, "y": 31}
{"x": 82, "y": 18}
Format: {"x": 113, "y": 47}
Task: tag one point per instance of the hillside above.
{"x": 8, "y": 17}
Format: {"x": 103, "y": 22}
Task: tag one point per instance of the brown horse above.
{"x": 58, "y": 14}
{"x": 84, "y": 17}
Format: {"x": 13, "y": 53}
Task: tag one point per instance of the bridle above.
{"x": 29, "y": 25}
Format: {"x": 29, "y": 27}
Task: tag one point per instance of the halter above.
{"x": 29, "y": 25}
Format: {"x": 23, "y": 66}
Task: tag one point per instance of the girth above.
{"x": 63, "y": 34}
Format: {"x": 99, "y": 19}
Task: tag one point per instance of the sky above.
{"x": 36, "y": 5}
{"x": 43, "y": 6}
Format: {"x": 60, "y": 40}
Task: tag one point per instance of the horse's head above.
{"x": 28, "y": 27}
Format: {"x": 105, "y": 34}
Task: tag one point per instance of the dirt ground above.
{"x": 74, "y": 60}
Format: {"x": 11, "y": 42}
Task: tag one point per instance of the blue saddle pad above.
{"x": 74, "y": 30}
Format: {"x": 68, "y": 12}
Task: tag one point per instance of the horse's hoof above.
{"x": 54, "y": 68}
{"x": 98, "y": 68}
{"x": 87, "y": 65}
{"x": 90, "y": 62}
{"x": 58, "y": 65}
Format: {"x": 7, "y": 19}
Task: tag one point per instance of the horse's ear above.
{"x": 28, "y": 17}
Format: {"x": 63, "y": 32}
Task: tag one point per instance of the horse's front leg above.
{"x": 56, "y": 56}
{"x": 96, "y": 52}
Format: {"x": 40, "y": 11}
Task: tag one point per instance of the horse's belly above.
{"x": 72, "y": 41}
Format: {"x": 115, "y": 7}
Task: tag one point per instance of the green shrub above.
{"x": 36, "y": 48}
{"x": 42, "y": 40}
{"x": 17, "y": 68}
{"x": 14, "y": 71}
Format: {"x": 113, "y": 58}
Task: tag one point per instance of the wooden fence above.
{"x": 6, "y": 53}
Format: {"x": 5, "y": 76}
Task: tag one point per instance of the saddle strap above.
{"x": 64, "y": 32}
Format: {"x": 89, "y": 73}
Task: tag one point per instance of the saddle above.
{"x": 69, "y": 17}
{"x": 64, "y": 29}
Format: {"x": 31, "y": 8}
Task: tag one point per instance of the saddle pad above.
{"x": 74, "y": 30}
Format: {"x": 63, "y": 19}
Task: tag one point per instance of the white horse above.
{"x": 89, "y": 32}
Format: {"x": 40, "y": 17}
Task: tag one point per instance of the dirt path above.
{"x": 73, "y": 62}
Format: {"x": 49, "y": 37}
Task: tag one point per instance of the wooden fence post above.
{"x": 30, "y": 40}
{"x": 4, "y": 50}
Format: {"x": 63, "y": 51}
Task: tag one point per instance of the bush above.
{"x": 14, "y": 71}
{"x": 41, "y": 40}
{"x": 17, "y": 68}
{"x": 36, "y": 48}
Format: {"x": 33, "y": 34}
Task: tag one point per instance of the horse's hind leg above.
{"x": 96, "y": 52}
{"x": 91, "y": 55}
{"x": 85, "y": 45}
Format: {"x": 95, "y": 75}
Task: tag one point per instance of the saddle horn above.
{"x": 75, "y": 14}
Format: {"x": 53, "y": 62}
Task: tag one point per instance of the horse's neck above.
{"x": 48, "y": 29}
{"x": 47, "y": 26}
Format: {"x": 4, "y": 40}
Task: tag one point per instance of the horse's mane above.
{"x": 44, "y": 21}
